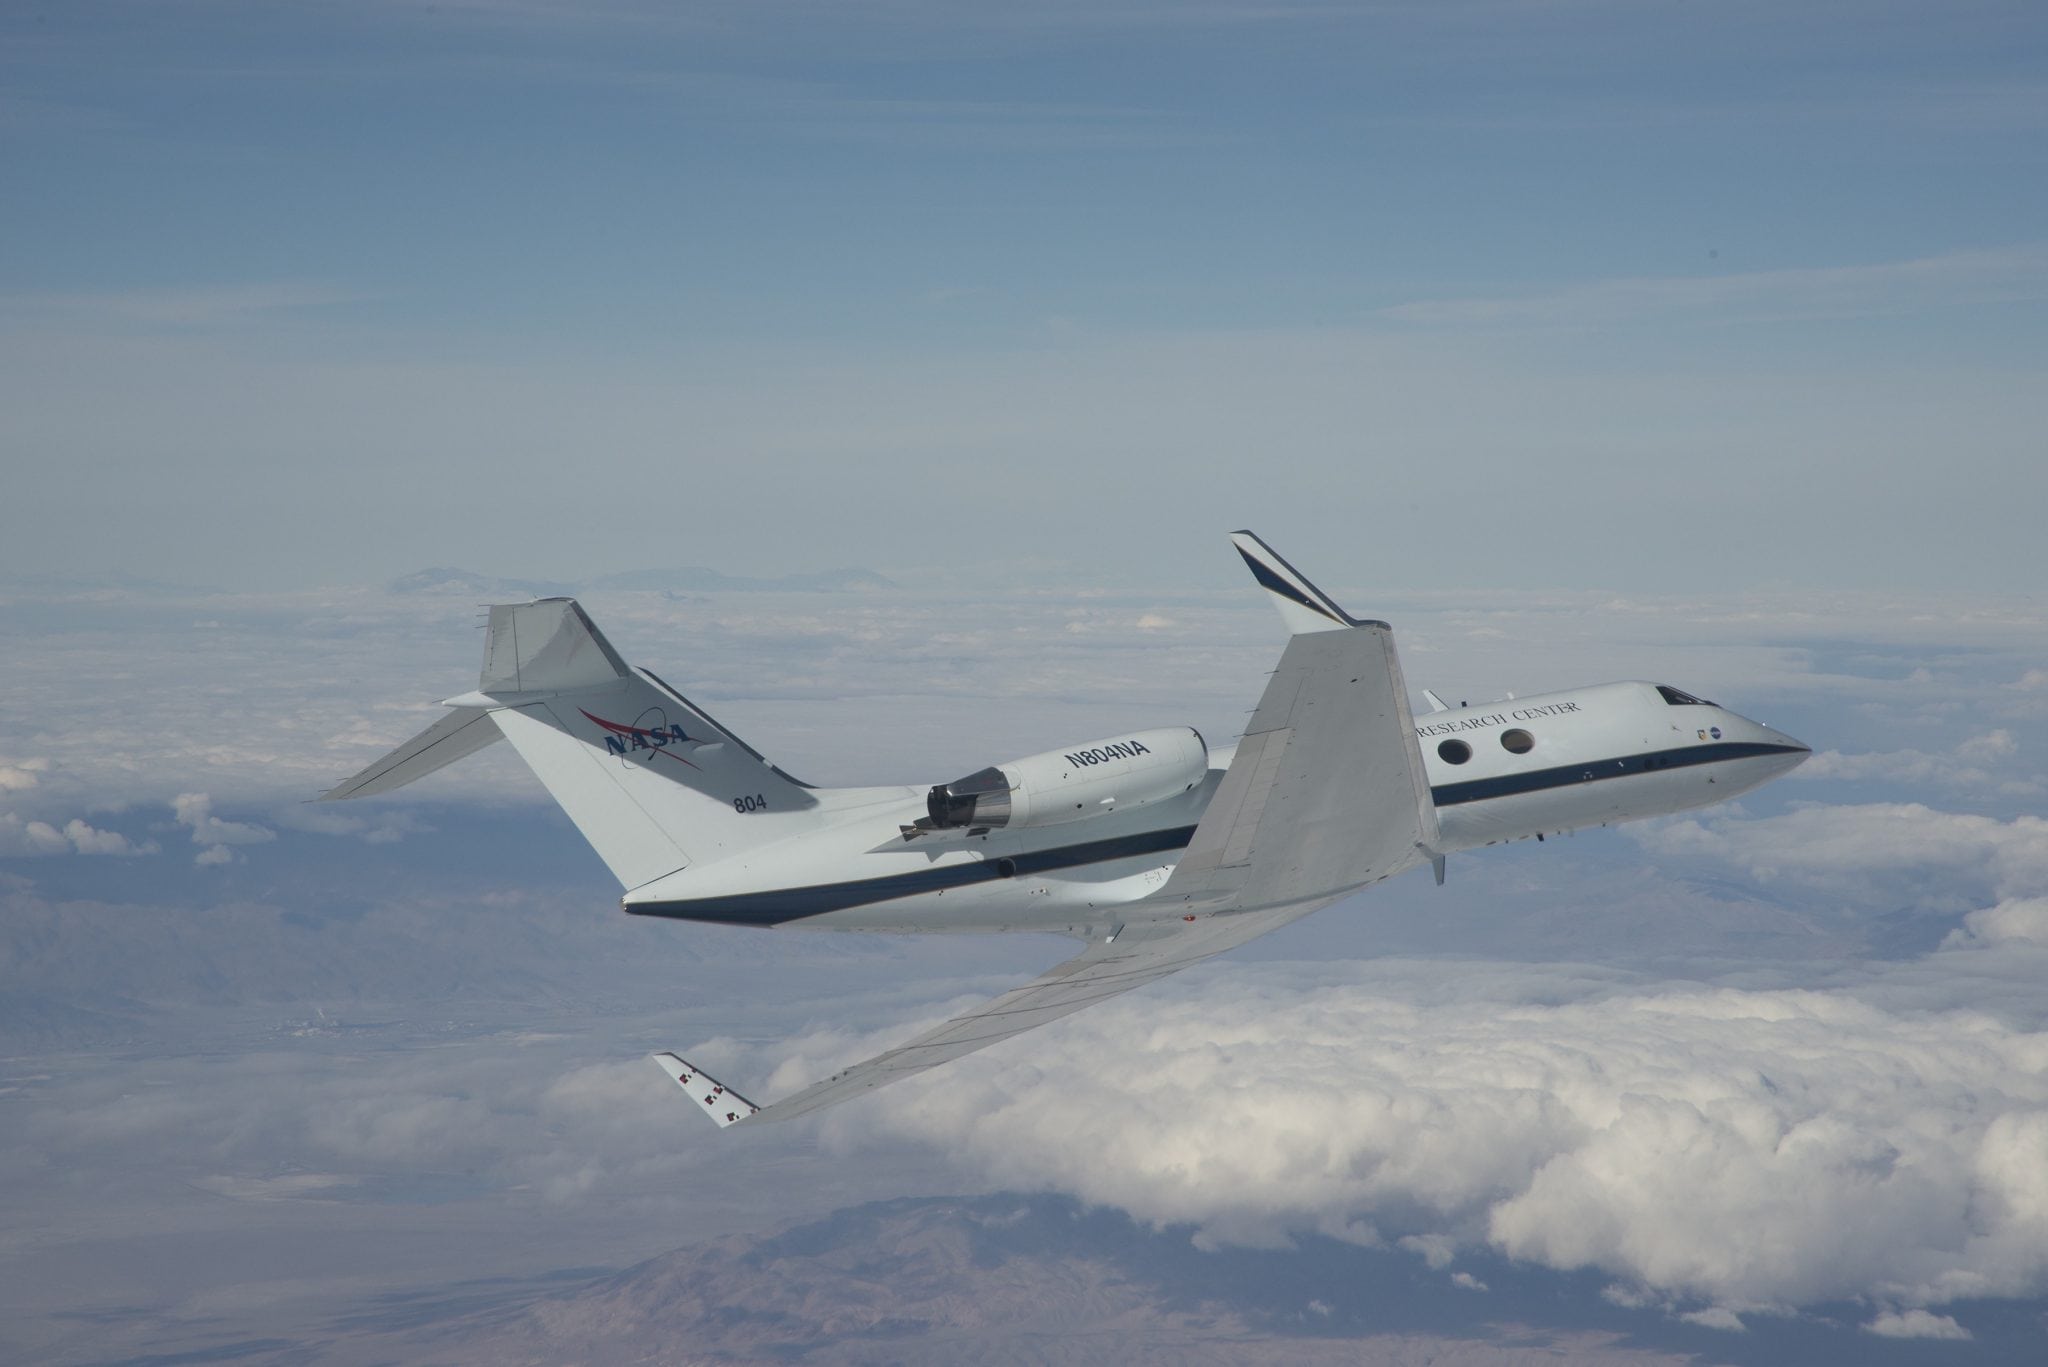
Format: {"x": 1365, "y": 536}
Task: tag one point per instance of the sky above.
{"x": 1580, "y": 341}
{"x": 1577, "y": 294}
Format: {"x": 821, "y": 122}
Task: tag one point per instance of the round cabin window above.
{"x": 1454, "y": 751}
{"x": 1517, "y": 741}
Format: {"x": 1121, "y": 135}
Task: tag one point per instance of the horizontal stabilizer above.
{"x": 546, "y": 646}
{"x": 724, "y": 1106}
{"x": 458, "y": 735}
{"x": 654, "y": 784}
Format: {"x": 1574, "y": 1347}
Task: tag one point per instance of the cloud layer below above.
{"x": 1753, "y": 1150}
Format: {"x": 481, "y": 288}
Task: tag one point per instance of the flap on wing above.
{"x": 461, "y": 733}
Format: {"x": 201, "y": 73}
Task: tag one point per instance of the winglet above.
{"x": 1303, "y": 606}
{"x": 714, "y": 1098}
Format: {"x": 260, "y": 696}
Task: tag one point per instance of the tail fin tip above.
{"x": 547, "y": 645}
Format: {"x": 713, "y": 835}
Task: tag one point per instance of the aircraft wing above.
{"x": 1326, "y": 795}
{"x": 1138, "y": 955}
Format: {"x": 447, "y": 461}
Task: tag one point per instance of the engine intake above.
{"x": 1092, "y": 779}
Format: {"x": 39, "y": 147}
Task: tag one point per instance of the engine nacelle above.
{"x": 1094, "y": 779}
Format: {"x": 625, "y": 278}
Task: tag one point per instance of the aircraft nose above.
{"x": 1795, "y": 752}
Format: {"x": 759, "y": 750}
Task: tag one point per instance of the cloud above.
{"x": 1916, "y": 1324}
{"x": 76, "y": 836}
{"x": 1895, "y": 847}
{"x": 1968, "y": 768}
{"x": 2021, "y": 921}
{"x": 22, "y": 776}
{"x": 31, "y": 837}
{"x": 86, "y": 840}
{"x": 195, "y": 810}
{"x": 1989, "y": 747}
{"x": 1748, "y": 1149}
{"x": 376, "y": 826}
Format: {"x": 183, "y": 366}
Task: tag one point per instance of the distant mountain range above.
{"x": 1011, "y": 1280}
{"x": 684, "y": 579}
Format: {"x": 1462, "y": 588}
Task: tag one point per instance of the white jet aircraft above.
{"x": 1154, "y": 849}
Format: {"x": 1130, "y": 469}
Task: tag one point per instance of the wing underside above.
{"x": 1139, "y": 955}
{"x": 1325, "y": 795}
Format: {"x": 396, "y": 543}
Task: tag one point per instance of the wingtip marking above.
{"x": 1271, "y": 580}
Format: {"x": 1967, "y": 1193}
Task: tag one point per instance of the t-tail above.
{"x": 653, "y": 783}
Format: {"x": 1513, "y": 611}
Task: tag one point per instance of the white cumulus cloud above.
{"x": 89, "y": 840}
{"x": 2020, "y": 921}
{"x": 1971, "y": 767}
{"x": 76, "y": 836}
{"x": 21, "y": 775}
{"x": 1867, "y": 846}
{"x": 195, "y": 811}
{"x": 1746, "y": 1149}
{"x": 1916, "y": 1324}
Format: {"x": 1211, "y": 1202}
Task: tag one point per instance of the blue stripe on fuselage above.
{"x": 1566, "y": 775}
{"x": 795, "y": 904}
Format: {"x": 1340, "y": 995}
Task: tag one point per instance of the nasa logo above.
{"x": 657, "y": 733}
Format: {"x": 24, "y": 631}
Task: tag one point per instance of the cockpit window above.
{"x": 1680, "y": 699}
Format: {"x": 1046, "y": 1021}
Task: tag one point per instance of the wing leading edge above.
{"x": 1325, "y": 795}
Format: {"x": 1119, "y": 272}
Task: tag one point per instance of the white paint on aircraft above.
{"x": 1151, "y": 848}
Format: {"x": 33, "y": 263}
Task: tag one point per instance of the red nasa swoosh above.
{"x": 658, "y": 747}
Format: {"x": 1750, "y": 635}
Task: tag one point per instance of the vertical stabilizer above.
{"x": 652, "y": 782}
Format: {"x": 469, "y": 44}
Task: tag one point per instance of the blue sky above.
{"x": 1592, "y": 292}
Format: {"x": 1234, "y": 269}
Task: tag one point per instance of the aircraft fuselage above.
{"x": 1499, "y": 772}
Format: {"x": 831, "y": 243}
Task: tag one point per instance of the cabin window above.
{"x": 1517, "y": 741}
{"x": 1454, "y": 751}
{"x": 1679, "y": 698}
